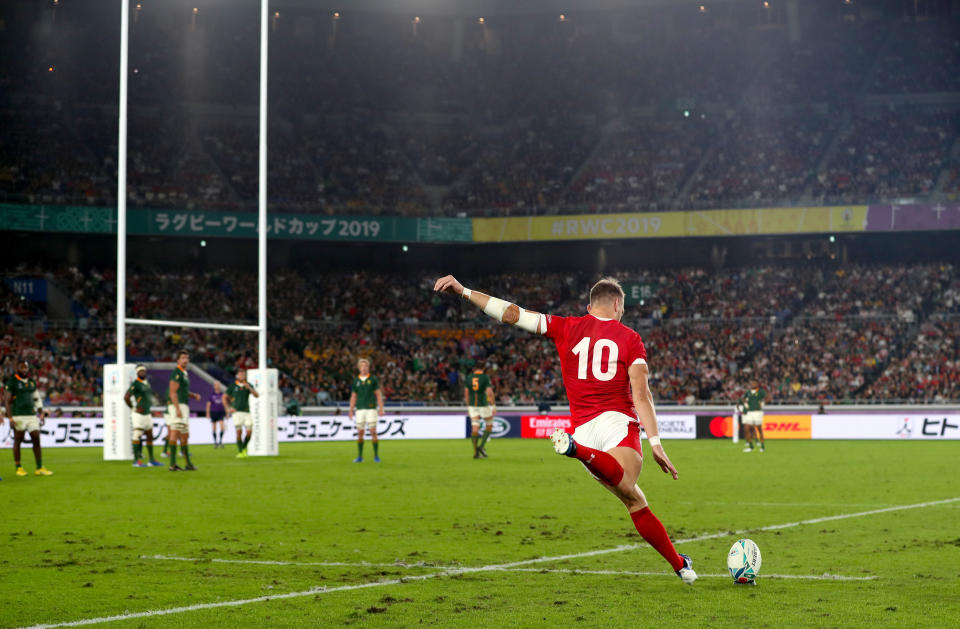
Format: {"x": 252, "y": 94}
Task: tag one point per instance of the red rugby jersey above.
{"x": 594, "y": 357}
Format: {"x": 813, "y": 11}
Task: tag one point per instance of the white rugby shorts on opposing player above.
{"x": 26, "y": 423}
{"x": 366, "y": 417}
{"x": 242, "y": 419}
{"x": 482, "y": 412}
{"x": 753, "y": 418}
{"x": 141, "y": 423}
{"x": 181, "y": 424}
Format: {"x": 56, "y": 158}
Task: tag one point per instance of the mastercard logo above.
{"x": 721, "y": 427}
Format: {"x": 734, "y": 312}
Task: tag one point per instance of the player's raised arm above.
{"x": 494, "y": 307}
{"x": 643, "y": 402}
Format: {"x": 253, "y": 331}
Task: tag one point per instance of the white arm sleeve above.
{"x": 37, "y": 401}
{"x": 496, "y": 307}
{"x": 528, "y": 320}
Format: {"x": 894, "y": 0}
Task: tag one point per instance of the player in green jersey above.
{"x": 139, "y": 397}
{"x": 367, "y": 399}
{"x": 25, "y": 410}
{"x": 481, "y": 407}
{"x": 751, "y": 405}
{"x": 237, "y": 402}
{"x": 178, "y": 412}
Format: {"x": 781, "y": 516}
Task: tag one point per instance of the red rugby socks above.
{"x": 652, "y": 531}
{"x": 603, "y": 466}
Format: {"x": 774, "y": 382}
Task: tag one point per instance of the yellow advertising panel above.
{"x": 786, "y": 426}
{"x": 671, "y": 224}
{"x": 814, "y": 220}
{"x": 579, "y": 227}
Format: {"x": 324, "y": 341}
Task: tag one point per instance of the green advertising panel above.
{"x": 636, "y": 293}
{"x": 234, "y": 224}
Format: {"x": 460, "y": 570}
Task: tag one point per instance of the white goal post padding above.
{"x": 264, "y": 411}
{"x": 117, "y": 430}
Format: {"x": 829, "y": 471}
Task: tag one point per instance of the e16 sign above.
{"x": 636, "y": 293}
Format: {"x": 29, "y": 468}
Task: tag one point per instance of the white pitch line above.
{"x": 365, "y": 564}
{"x": 786, "y": 504}
{"x": 629, "y": 573}
{"x": 267, "y": 562}
{"x": 461, "y": 571}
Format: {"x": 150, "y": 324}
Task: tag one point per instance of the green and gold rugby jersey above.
{"x": 477, "y": 385}
{"x": 366, "y": 390}
{"x": 239, "y": 397}
{"x": 183, "y": 393}
{"x": 142, "y": 394}
{"x": 21, "y": 392}
{"x": 751, "y": 400}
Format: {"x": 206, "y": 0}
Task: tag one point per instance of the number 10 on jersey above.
{"x": 602, "y": 369}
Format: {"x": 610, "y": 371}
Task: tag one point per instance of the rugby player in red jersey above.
{"x": 604, "y": 365}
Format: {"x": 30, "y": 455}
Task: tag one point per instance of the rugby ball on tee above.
{"x": 743, "y": 561}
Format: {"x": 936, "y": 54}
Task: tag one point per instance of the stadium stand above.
{"x": 375, "y": 120}
{"x": 812, "y": 334}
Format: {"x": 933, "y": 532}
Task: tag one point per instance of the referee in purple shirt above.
{"x": 215, "y": 413}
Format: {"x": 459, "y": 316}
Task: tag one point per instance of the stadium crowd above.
{"x": 810, "y": 334}
{"x": 379, "y": 117}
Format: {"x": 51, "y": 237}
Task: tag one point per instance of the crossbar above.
{"x": 194, "y": 324}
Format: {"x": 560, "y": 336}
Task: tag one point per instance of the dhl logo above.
{"x": 774, "y": 427}
{"x": 787, "y": 427}
{"x": 783, "y": 426}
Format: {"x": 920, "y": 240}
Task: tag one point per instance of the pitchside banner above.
{"x": 339, "y": 428}
{"x": 774, "y": 426}
{"x": 503, "y": 426}
{"x": 79, "y": 432}
{"x": 890, "y": 426}
{"x": 542, "y": 426}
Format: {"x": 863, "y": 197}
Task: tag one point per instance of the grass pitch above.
{"x": 433, "y": 537}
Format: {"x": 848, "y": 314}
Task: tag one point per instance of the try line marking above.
{"x": 467, "y": 570}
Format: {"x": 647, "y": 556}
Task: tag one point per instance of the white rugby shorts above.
{"x": 483, "y": 412}
{"x": 366, "y": 417}
{"x": 608, "y": 430}
{"x": 182, "y": 423}
{"x": 753, "y": 418}
{"x": 141, "y": 423}
{"x": 242, "y": 419}
{"x": 26, "y": 423}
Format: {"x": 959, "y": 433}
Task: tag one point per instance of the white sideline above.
{"x": 460, "y": 571}
{"x": 630, "y": 573}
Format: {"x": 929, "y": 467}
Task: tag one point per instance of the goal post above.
{"x": 117, "y": 437}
